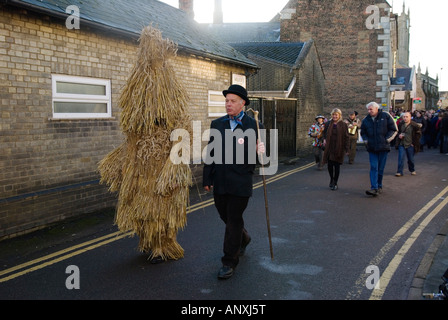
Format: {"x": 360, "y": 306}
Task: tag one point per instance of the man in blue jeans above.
{"x": 409, "y": 134}
{"x": 378, "y": 129}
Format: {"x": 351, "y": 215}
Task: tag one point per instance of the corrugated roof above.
{"x": 131, "y": 16}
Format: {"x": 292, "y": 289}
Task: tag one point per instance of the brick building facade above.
{"x": 289, "y": 73}
{"x": 427, "y": 90}
{"x": 353, "y": 43}
{"x": 49, "y": 163}
{"x": 310, "y": 93}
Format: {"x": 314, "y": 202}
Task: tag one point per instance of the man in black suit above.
{"x": 228, "y": 170}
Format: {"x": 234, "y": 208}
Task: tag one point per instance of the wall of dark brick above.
{"x": 311, "y": 97}
{"x": 347, "y": 48}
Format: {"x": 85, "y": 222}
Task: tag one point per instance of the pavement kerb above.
{"x": 416, "y": 290}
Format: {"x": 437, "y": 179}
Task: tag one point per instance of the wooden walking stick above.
{"x": 264, "y": 186}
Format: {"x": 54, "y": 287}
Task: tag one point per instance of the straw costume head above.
{"x": 153, "y": 192}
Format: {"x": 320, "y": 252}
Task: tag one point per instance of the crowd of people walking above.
{"x": 409, "y": 132}
{"x": 434, "y": 132}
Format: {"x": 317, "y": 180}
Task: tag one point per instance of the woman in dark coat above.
{"x": 337, "y": 145}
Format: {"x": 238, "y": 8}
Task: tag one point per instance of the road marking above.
{"x": 360, "y": 283}
{"x": 284, "y": 175}
{"x": 257, "y": 185}
{"x": 98, "y": 242}
{"x": 21, "y": 266}
{"x": 387, "y": 275}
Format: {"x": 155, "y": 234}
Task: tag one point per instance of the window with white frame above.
{"x": 216, "y": 104}
{"x": 81, "y": 97}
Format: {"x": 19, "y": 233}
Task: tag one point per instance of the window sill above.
{"x": 81, "y": 119}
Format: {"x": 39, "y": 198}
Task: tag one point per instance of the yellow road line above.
{"x": 98, "y": 242}
{"x": 360, "y": 283}
{"x": 257, "y": 185}
{"x": 387, "y": 275}
{"x": 200, "y": 205}
{"x": 64, "y": 257}
{"x": 283, "y": 175}
{"x": 24, "y": 265}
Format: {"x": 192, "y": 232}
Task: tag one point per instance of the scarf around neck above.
{"x": 237, "y": 118}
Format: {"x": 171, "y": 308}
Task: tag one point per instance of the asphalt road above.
{"x": 327, "y": 245}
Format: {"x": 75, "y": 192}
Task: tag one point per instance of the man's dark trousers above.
{"x": 230, "y": 209}
{"x": 232, "y": 186}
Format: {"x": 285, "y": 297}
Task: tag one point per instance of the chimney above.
{"x": 187, "y": 6}
{"x": 217, "y": 14}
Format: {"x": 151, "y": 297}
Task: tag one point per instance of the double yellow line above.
{"x": 388, "y": 273}
{"x": 61, "y": 255}
{"x": 257, "y": 185}
{"x": 40, "y": 263}
{"x": 440, "y": 201}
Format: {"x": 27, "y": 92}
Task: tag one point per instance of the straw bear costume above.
{"x": 153, "y": 192}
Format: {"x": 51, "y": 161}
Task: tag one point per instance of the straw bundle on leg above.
{"x": 152, "y": 191}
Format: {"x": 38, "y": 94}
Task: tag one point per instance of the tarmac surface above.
{"x": 434, "y": 264}
{"x": 427, "y": 278}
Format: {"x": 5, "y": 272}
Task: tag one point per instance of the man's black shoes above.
{"x": 225, "y": 272}
{"x": 373, "y": 192}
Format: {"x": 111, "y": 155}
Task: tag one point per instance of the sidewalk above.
{"x": 433, "y": 265}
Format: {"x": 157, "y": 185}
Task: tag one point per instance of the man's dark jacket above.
{"x": 416, "y": 134}
{"x": 378, "y": 132}
{"x": 444, "y": 125}
{"x": 233, "y": 178}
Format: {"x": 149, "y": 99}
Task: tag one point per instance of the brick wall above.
{"x": 309, "y": 90}
{"x": 311, "y": 93}
{"x": 348, "y": 50}
{"x": 49, "y": 167}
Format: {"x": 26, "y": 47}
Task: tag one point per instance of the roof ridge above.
{"x": 121, "y": 17}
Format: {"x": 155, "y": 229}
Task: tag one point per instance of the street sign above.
{"x": 417, "y": 100}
